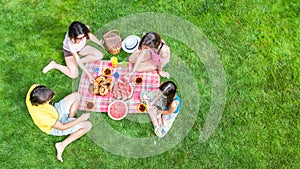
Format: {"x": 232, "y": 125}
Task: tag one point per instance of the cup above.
{"x": 124, "y": 64}
{"x": 114, "y": 62}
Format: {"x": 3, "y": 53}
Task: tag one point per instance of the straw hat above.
{"x": 130, "y": 43}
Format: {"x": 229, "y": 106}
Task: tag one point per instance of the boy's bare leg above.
{"x": 60, "y": 146}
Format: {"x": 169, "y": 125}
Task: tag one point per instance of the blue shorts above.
{"x": 63, "y": 117}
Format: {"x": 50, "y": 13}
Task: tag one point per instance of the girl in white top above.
{"x": 74, "y": 45}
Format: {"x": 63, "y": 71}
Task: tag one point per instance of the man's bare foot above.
{"x": 59, "y": 150}
{"x": 49, "y": 67}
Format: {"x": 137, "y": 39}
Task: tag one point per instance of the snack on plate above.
{"x": 96, "y": 87}
{"x": 107, "y": 71}
{"x": 90, "y": 105}
{"x": 106, "y": 82}
{"x": 117, "y": 110}
{"x": 102, "y": 85}
{"x": 100, "y": 79}
{"x": 138, "y": 80}
{"x": 122, "y": 90}
{"x": 103, "y": 90}
{"x": 142, "y": 107}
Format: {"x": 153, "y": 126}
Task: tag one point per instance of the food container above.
{"x": 114, "y": 62}
{"x": 117, "y": 110}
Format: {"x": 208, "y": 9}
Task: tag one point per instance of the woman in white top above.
{"x": 74, "y": 45}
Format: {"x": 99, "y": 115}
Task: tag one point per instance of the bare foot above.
{"x": 49, "y": 67}
{"x": 59, "y": 150}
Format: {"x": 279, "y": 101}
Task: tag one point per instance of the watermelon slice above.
{"x": 117, "y": 110}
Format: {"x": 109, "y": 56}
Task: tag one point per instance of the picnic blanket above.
{"x": 151, "y": 82}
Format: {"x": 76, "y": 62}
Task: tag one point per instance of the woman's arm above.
{"x": 94, "y": 39}
{"x": 172, "y": 108}
{"x": 139, "y": 60}
{"x": 164, "y": 55}
{"x": 139, "y": 57}
{"x": 160, "y": 66}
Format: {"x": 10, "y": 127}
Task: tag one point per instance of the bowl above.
{"x": 138, "y": 80}
{"x": 117, "y": 110}
{"x": 107, "y": 71}
{"x": 142, "y": 107}
{"x": 120, "y": 87}
{"x": 90, "y": 105}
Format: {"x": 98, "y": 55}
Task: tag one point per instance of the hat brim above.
{"x": 130, "y": 50}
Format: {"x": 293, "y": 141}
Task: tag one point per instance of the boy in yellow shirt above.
{"x": 59, "y": 119}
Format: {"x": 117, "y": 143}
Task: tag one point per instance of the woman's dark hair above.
{"x": 168, "y": 90}
{"x": 76, "y": 28}
{"x": 150, "y": 39}
{"x": 40, "y": 95}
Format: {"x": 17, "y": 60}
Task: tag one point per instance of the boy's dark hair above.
{"x": 168, "y": 89}
{"x": 76, "y": 28}
{"x": 40, "y": 95}
{"x": 150, "y": 39}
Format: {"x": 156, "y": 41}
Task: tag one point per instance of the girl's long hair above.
{"x": 76, "y": 28}
{"x": 168, "y": 90}
{"x": 151, "y": 40}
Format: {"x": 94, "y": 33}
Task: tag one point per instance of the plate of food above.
{"x": 142, "y": 107}
{"x": 90, "y": 105}
{"x": 117, "y": 110}
{"x": 107, "y": 71}
{"x": 138, "y": 80}
{"x": 102, "y": 85}
{"x": 122, "y": 90}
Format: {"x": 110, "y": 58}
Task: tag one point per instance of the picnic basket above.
{"x": 113, "y": 41}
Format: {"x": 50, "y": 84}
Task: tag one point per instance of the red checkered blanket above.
{"x": 150, "y": 82}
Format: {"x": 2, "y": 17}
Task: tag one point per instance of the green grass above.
{"x": 258, "y": 43}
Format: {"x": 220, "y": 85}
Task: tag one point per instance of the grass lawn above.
{"x": 258, "y": 45}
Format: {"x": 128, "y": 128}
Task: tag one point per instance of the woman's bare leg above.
{"x": 71, "y": 68}
{"x": 90, "y": 54}
{"x": 152, "y": 112}
{"x": 146, "y": 66}
{"x": 142, "y": 60}
{"x": 133, "y": 57}
{"x": 60, "y": 146}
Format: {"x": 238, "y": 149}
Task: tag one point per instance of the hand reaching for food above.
{"x": 91, "y": 79}
{"x": 128, "y": 76}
